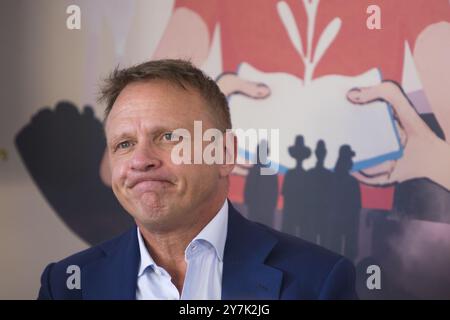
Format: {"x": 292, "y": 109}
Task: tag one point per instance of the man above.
{"x": 189, "y": 242}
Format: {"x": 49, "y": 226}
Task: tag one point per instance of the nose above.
{"x": 144, "y": 158}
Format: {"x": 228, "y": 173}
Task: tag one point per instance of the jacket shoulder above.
{"x": 56, "y": 274}
{"x": 310, "y": 270}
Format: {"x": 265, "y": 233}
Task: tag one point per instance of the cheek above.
{"x": 202, "y": 178}
{"x": 118, "y": 174}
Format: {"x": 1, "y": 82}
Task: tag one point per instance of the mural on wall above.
{"x": 361, "y": 173}
{"x": 62, "y": 150}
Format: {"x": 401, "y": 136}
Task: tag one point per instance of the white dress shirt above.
{"x": 204, "y": 258}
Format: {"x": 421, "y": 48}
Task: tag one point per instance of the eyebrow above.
{"x": 127, "y": 134}
{"x": 116, "y": 138}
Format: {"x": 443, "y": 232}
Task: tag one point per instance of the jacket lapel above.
{"x": 113, "y": 276}
{"x": 245, "y": 275}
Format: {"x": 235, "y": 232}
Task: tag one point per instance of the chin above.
{"x": 161, "y": 221}
{"x": 153, "y": 202}
{"x": 152, "y": 212}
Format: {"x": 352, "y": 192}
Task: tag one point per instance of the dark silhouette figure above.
{"x": 347, "y": 206}
{"x": 319, "y": 198}
{"x": 261, "y": 191}
{"x": 295, "y": 218}
{"x": 62, "y": 151}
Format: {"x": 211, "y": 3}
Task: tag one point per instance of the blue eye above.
{"x": 124, "y": 145}
{"x": 168, "y": 136}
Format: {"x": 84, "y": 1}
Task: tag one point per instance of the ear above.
{"x": 105, "y": 169}
{"x": 230, "y": 152}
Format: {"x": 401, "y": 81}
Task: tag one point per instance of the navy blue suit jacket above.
{"x": 259, "y": 263}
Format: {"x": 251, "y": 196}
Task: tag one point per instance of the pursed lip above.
{"x": 150, "y": 185}
{"x": 148, "y": 181}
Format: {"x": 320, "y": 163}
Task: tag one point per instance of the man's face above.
{"x": 156, "y": 192}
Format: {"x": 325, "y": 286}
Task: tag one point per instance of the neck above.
{"x": 168, "y": 248}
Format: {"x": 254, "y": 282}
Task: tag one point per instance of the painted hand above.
{"x": 62, "y": 149}
{"x": 231, "y": 83}
{"x": 422, "y": 148}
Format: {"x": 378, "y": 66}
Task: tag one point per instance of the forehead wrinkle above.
{"x": 138, "y": 101}
{"x": 145, "y": 103}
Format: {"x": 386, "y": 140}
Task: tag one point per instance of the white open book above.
{"x": 318, "y": 110}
